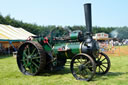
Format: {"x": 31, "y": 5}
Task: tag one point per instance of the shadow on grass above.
{"x": 115, "y": 73}
{"x": 66, "y": 70}
{"x": 63, "y": 71}
{"x": 5, "y": 56}
{"x": 110, "y": 75}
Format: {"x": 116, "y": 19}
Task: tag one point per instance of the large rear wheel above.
{"x": 31, "y": 58}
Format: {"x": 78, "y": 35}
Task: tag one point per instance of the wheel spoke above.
{"x": 36, "y": 69}
{"x": 104, "y": 66}
{"x": 76, "y": 64}
{"x": 87, "y": 63}
{"x": 26, "y": 66}
{"x": 24, "y": 54}
{"x": 28, "y": 49}
{"x": 87, "y": 74}
{"x": 27, "y": 62}
{"x": 36, "y": 57}
{"x": 90, "y": 66}
{"x": 96, "y": 68}
{"x": 33, "y": 51}
{"x": 101, "y": 68}
{"x": 99, "y": 58}
{"x": 103, "y": 59}
{"x": 31, "y": 69}
{"x": 104, "y": 62}
{"x": 81, "y": 74}
{"x": 84, "y": 72}
{"x": 78, "y": 60}
{"x": 35, "y": 64}
{"x": 77, "y": 71}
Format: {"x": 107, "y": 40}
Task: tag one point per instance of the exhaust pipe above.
{"x": 88, "y": 20}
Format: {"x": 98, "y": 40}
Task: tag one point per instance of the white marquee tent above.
{"x": 12, "y": 37}
{"x": 8, "y": 32}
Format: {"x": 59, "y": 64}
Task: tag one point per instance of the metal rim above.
{"x": 103, "y": 64}
{"x": 83, "y": 67}
{"x": 31, "y": 58}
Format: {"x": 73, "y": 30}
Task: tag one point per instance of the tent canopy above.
{"x": 9, "y": 33}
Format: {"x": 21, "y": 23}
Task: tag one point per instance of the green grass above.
{"x": 10, "y": 74}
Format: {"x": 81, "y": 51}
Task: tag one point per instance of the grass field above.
{"x": 10, "y": 74}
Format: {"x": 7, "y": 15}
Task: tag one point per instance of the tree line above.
{"x": 121, "y": 32}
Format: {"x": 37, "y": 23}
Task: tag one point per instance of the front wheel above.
{"x": 83, "y": 67}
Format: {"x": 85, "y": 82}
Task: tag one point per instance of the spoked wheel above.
{"x": 103, "y": 64}
{"x": 31, "y": 58}
{"x": 83, "y": 67}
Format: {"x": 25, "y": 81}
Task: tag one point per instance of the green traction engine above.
{"x": 48, "y": 54}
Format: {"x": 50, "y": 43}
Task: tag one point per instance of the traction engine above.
{"x": 42, "y": 54}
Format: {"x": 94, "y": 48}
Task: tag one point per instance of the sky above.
{"x": 105, "y": 13}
